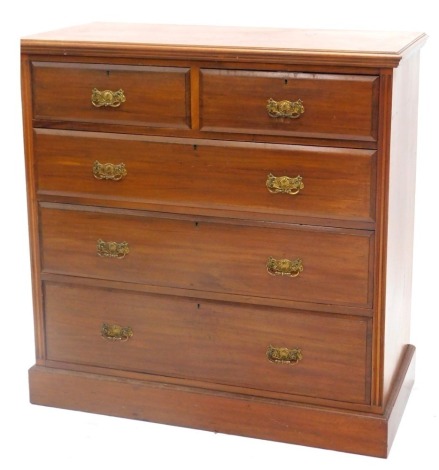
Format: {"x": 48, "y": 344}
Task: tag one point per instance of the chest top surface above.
{"x": 376, "y": 48}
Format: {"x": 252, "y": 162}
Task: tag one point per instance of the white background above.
{"x": 39, "y": 437}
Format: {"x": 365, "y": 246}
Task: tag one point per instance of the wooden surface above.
{"x": 210, "y": 341}
{"x": 336, "y": 106}
{"x": 232, "y": 43}
{"x": 198, "y": 146}
{"x": 401, "y": 208}
{"x": 362, "y": 433}
{"x": 209, "y": 256}
{"x": 151, "y": 93}
{"x": 197, "y": 175}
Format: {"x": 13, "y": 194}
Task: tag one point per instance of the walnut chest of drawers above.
{"x": 221, "y": 227}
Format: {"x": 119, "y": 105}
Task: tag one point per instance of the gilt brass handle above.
{"x": 107, "y": 98}
{"x": 285, "y": 109}
{"x": 284, "y": 267}
{"x": 109, "y": 171}
{"x": 116, "y": 332}
{"x": 112, "y": 249}
{"x": 284, "y": 355}
{"x": 284, "y": 184}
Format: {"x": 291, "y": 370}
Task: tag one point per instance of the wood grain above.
{"x": 336, "y": 106}
{"x": 198, "y": 145}
{"x": 208, "y": 174}
{"x": 211, "y": 341}
{"x": 155, "y": 96}
{"x": 226, "y": 43}
{"x": 364, "y": 433}
{"x": 209, "y": 256}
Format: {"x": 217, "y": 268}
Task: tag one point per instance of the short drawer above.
{"x": 291, "y": 104}
{"x": 288, "y": 262}
{"x": 216, "y": 342}
{"x": 268, "y": 181}
{"x": 111, "y": 94}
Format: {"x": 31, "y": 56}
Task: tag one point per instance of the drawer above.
{"x": 331, "y": 106}
{"x": 209, "y": 341}
{"x": 152, "y": 96}
{"x": 336, "y": 183}
{"x": 208, "y": 255}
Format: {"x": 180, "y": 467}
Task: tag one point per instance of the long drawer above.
{"x": 212, "y": 341}
{"x": 269, "y": 180}
{"x": 290, "y": 103}
{"x": 111, "y": 94}
{"x": 284, "y": 261}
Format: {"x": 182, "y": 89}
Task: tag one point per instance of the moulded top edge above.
{"x": 366, "y": 48}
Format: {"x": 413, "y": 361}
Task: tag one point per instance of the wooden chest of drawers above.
{"x": 221, "y": 227}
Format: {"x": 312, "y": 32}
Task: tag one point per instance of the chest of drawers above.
{"x": 221, "y": 227}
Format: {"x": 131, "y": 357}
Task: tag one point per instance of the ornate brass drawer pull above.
{"x": 112, "y": 249}
{"x": 284, "y": 355}
{"x": 285, "y": 108}
{"x": 116, "y": 332}
{"x": 284, "y": 267}
{"x": 284, "y": 184}
{"x": 109, "y": 171}
{"x": 107, "y": 98}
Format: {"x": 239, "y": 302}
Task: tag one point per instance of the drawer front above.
{"x": 209, "y": 256}
{"x": 152, "y": 96}
{"x": 210, "y": 341}
{"x": 331, "y": 106}
{"x": 335, "y": 183}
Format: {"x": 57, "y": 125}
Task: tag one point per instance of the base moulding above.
{"x": 327, "y": 428}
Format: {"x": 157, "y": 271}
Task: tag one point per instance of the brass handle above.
{"x": 284, "y": 267}
{"x": 285, "y": 108}
{"x": 284, "y": 184}
{"x": 107, "y": 98}
{"x": 112, "y": 249}
{"x": 284, "y": 355}
{"x": 116, "y": 332}
{"x": 109, "y": 171}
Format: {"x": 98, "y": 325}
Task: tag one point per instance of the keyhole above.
{"x": 108, "y": 73}
{"x": 286, "y": 82}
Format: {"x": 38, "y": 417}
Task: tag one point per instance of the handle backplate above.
{"x": 285, "y": 109}
{"x": 284, "y": 184}
{"x": 112, "y": 249}
{"x": 284, "y": 355}
{"x": 109, "y": 171}
{"x": 284, "y": 267}
{"x": 116, "y": 332}
{"x": 107, "y": 98}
